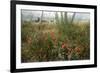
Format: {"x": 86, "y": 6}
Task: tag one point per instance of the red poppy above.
{"x": 53, "y": 36}
{"x": 77, "y": 49}
{"x": 63, "y": 45}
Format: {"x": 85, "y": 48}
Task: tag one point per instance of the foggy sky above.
{"x": 27, "y": 14}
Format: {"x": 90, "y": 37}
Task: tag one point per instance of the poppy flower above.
{"x": 53, "y": 36}
{"x": 63, "y": 45}
{"x": 77, "y": 49}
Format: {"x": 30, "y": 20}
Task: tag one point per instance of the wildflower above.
{"x": 63, "y": 45}
{"x": 53, "y": 36}
{"x": 77, "y": 49}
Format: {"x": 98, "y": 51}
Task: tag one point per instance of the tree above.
{"x": 41, "y": 17}
{"x": 73, "y": 16}
{"x": 65, "y": 18}
{"x": 57, "y": 18}
{"x": 62, "y": 18}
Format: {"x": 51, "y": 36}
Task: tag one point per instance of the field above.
{"x": 54, "y": 42}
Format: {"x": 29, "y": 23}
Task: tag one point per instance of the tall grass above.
{"x": 48, "y": 42}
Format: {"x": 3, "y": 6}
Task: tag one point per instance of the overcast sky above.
{"x": 27, "y": 14}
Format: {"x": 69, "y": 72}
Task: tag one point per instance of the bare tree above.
{"x": 65, "y": 18}
{"x": 73, "y": 16}
{"x": 62, "y": 18}
{"x": 41, "y": 17}
{"x": 56, "y": 18}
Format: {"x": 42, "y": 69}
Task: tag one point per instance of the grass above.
{"x": 54, "y": 42}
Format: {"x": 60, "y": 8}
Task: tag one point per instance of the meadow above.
{"x": 44, "y": 42}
